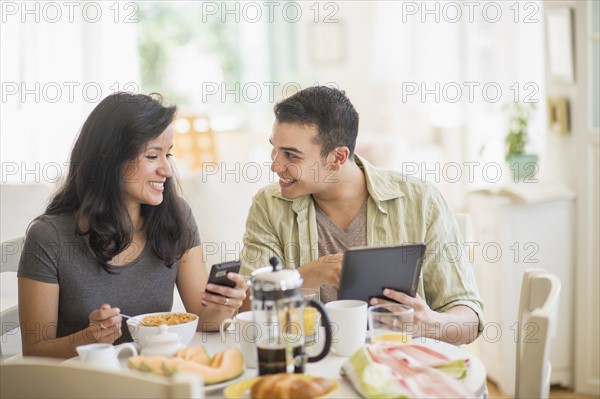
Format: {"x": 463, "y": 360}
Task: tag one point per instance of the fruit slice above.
{"x": 217, "y": 360}
{"x": 197, "y": 354}
{"x": 169, "y": 366}
{"x": 153, "y": 364}
{"x": 135, "y": 362}
{"x": 227, "y": 365}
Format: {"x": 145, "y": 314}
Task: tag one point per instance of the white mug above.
{"x": 247, "y": 333}
{"x": 103, "y": 355}
{"x": 349, "y": 323}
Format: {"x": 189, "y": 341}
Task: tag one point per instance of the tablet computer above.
{"x": 367, "y": 271}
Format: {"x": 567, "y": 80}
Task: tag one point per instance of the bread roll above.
{"x": 289, "y": 386}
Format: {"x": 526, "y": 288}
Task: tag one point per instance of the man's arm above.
{"x": 325, "y": 270}
{"x": 449, "y": 306}
{"x": 261, "y": 242}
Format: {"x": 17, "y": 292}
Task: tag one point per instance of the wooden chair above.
{"x": 540, "y": 293}
{"x": 11, "y": 254}
{"x": 44, "y": 378}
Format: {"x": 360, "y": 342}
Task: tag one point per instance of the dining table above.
{"x": 331, "y": 365}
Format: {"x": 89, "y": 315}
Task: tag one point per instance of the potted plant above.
{"x": 522, "y": 164}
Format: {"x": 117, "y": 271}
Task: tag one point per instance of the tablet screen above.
{"x": 367, "y": 271}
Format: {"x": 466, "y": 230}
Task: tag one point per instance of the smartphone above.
{"x": 218, "y": 273}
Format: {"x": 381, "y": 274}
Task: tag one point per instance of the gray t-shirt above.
{"x": 55, "y": 254}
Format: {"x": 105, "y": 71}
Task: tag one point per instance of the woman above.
{"x": 117, "y": 232}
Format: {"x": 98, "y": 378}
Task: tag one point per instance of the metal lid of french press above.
{"x": 276, "y": 284}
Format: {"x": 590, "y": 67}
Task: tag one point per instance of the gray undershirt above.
{"x": 333, "y": 240}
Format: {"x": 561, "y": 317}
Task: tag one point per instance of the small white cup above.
{"x": 103, "y": 355}
{"x": 247, "y": 333}
{"x": 349, "y": 322}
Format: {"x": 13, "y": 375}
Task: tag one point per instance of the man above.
{"x": 329, "y": 199}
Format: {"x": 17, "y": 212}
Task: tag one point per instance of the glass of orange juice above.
{"x": 291, "y": 323}
{"x": 391, "y": 323}
{"x": 311, "y": 316}
{"x": 311, "y": 325}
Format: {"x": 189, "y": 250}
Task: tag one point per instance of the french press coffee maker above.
{"x": 278, "y": 305}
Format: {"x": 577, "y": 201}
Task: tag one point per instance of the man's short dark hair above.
{"x": 326, "y": 108}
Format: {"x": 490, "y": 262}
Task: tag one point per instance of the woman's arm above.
{"x": 38, "y": 315}
{"x": 212, "y": 309}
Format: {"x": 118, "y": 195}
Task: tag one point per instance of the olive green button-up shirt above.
{"x": 400, "y": 210}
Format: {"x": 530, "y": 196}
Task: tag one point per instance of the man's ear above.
{"x": 338, "y": 156}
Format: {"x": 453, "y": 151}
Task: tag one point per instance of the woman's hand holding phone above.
{"x": 226, "y": 289}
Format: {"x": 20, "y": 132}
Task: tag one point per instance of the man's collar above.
{"x": 378, "y": 186}
{"x": 378, "y": 181}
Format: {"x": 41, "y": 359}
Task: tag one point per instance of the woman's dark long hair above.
{"x": 117, "y": 131}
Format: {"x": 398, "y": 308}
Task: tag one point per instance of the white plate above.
{"x": 224, "y": 384}
{"x": 207, "y": 388}
{"x": 476, "y": 376}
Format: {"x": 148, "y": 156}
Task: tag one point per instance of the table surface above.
{"x": 330, "y": 366}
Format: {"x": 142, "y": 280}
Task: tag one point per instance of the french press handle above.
{"x": 328, "y": 331}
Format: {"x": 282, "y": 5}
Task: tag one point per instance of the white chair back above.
{"x": 43, "y": 378}
{"x": 11, "y": 254}
{"x": 540, "y": 293}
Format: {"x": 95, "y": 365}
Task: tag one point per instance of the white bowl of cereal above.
{"x": 144, "y": 325}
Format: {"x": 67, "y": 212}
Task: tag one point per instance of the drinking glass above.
{"x": 391, "y": 323}
{"x": 310, "y": 293}
{"x": 311, "y": 316}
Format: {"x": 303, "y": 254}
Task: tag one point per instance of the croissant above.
{"x": 289, "y": 386}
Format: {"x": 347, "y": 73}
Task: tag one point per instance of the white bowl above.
{"x": 140, "y": 333}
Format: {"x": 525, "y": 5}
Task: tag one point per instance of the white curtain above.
{"x": 412, "y": 51}
{"x": 382, "y": 55}
{"x": 54, "y": 71}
